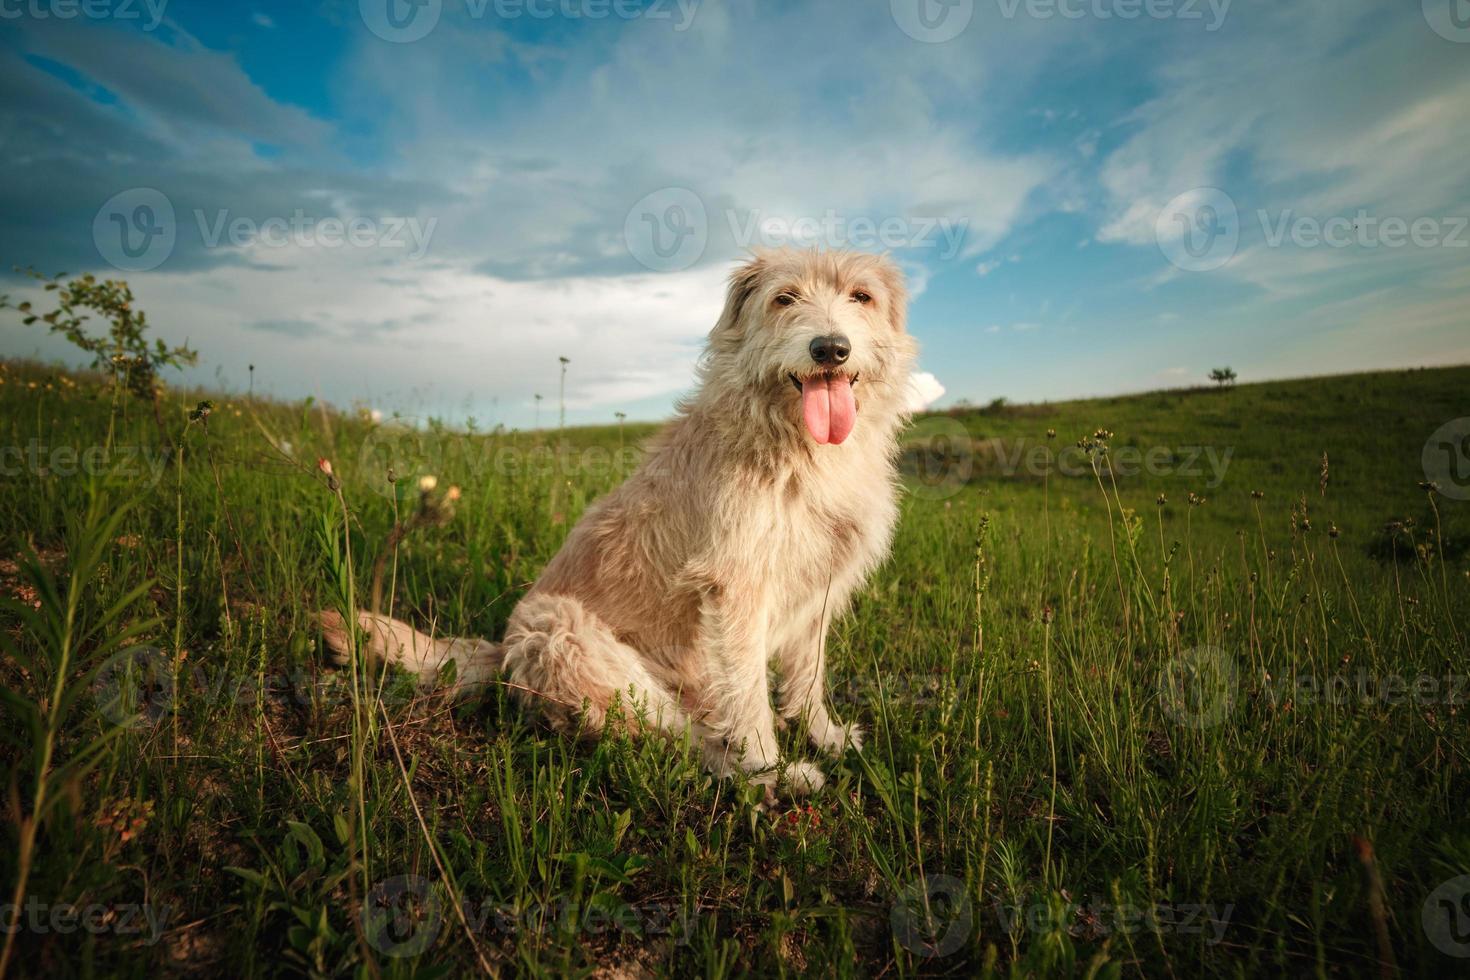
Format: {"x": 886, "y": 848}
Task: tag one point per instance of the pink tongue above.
{"x": 828, "y": 408}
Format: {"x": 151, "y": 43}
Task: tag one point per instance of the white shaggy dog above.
{"x": 757, "y": 512}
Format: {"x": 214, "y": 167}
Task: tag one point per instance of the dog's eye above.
{"x": 785, "y": 299}
{"x": 858, "y": 296}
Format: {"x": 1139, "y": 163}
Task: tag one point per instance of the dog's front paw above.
{"x": 796, "y": 778}
{"x": 835, "y": 739}
{"x": 803, "y": 779}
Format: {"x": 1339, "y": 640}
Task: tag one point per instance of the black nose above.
{"x": 831, "y": 349}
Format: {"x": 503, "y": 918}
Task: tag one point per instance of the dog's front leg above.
{"x": 802, "y": 693}
{"x": 738, "y": 701}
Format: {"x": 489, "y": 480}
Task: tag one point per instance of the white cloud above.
{"x": 1295, "y": 97}
{"x": 924, "y": 390}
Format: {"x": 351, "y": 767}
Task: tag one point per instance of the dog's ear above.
{"x": 892, "y": 278}
{"x": 743, "y": 283}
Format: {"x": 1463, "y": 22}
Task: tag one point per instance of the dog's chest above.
{"x": 831, "y": 528}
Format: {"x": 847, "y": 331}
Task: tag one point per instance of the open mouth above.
{"x": 796, "y": 382}
{"x": 827, "y": 405}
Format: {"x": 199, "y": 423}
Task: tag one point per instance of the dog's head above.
{"x": 818, "y": 338}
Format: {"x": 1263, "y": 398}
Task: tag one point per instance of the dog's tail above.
{"x": 476, "y": 662}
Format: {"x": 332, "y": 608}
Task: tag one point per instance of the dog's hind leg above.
{"x": 476, "y": 662}
{"x": 564, "y": 661}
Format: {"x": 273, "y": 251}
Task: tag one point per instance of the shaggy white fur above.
{"x": 756, "y": 513}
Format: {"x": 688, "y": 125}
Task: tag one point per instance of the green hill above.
{"x": 1180, "y": 700}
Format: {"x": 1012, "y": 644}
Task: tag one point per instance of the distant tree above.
{"x": 1223, "y": 376}
{"x": 123, "y": 353}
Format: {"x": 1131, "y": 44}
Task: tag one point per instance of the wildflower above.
{"x": 126, "y": 818}
{"x": 1162, "y": 500}
{"x": 1258, "y": 494}
{"x": 1051, "y": 433}
{"x": 324, "y": 464}
{"x": 1332, "y": 530}
{"x": 428, "y": 482}
{"x": 452, "y": 494}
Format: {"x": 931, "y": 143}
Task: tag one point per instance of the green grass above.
{"x": 1095, "y": 743}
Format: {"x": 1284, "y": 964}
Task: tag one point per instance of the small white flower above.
{"x": 428, "y": 482}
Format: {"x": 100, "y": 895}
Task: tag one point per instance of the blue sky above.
{"x": 1090, "y": 196}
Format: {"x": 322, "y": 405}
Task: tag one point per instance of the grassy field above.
{"x": 1171, "y": 685}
